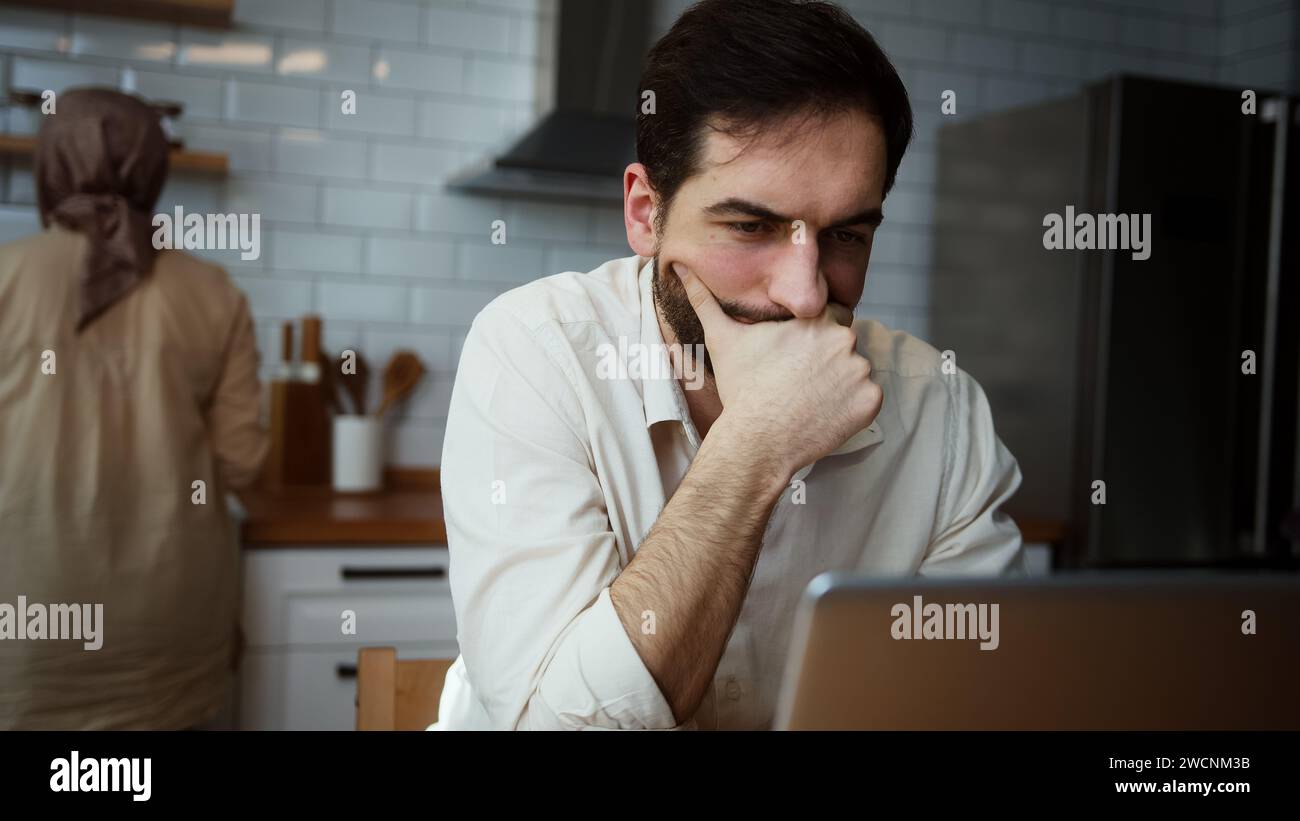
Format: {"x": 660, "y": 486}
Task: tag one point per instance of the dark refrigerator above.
{"x": 1100, "y": 367}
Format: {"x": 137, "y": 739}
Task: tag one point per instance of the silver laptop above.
{"x": 1100, "y": 651}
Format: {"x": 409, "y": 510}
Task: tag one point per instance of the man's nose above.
{"x": 797, "y": 283}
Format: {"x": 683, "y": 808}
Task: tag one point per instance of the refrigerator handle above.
{"x": 1277, "y": 111}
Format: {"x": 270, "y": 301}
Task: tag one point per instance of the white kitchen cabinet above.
{"x": 299, "y": 664}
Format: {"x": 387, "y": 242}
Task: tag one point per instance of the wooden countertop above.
{"x": 407, "y": 512}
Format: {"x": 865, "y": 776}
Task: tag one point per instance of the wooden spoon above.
{"x": 402, "y": 374}
{"x": 356, "y": 383}
{"x": 327, "y": 383}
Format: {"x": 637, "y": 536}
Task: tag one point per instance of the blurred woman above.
{"x": 129, "y": 403}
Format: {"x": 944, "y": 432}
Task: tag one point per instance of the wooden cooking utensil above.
{"x": 355, "y": 384}
{"x": 329, "y": 382}
{"x": 401, "y": 375}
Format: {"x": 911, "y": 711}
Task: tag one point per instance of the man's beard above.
{"x": 676, "y": 309}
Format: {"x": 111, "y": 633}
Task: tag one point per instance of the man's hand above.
{"x": 797, "y": 386}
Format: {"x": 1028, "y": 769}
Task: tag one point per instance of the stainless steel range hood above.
{"x": 578, "y": 151}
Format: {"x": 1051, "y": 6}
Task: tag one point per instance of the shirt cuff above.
{"x": 598, "y": 661}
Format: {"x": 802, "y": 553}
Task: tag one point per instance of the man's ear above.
{"x": 639, "y": 204}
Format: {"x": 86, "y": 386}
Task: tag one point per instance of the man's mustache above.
{"x": 737, "y": 311}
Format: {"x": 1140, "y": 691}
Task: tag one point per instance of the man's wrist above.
{"x": 758, "y": 463}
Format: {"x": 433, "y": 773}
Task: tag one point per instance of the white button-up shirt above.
{"x": 554, "y": 468}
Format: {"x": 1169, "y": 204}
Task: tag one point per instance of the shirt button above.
{"x": 733, "y": 689}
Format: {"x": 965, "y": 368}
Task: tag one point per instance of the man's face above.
{"x": 733, "y": 223}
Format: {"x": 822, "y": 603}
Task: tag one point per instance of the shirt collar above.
{"x": 663, "y": 398}
{"x": 664, "y": 401}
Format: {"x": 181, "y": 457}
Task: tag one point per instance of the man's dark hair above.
{"x": 738, "y": 65}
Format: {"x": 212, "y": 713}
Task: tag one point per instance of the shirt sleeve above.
{"x": 239, "y": 442}
{"x": 973, "y": 536}
{"x": 532, "y": 553}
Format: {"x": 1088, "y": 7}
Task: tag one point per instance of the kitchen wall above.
{"x": 357, "y": 225}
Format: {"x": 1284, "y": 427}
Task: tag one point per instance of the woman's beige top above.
{"x": 104, "y": 436}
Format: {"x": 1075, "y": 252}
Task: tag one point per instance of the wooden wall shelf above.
{"x": 202, "y": 161}
{"x": 211, "y": 13}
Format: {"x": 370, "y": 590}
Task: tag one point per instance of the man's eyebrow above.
{"x": 734, "y": 206}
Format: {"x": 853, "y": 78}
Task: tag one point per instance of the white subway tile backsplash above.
{"x": 533, "y": 7}
{"x": 514, "y": 264}
{"x": 246, "y": 149}
{"x": 275, "y": 201}
{"x": 983, "y": 51}
{"x": 607, "y": 226}
{"x": 272, "y": 104}
{"x": 295, "y": 14}
{"x": 1153, "y": 33}
{"x": 433, "y": 347}
{"x": 1275, "y": 28}
{"x": 390, "y": 256}
{"x": 376, "y": 19}
{"x": 580, "y": 258}
{"x": 414, "y": 163}
{"x": 374, "y": 113}
{"x": 1009, "y": 92}
{"x": 276, "y": 298}
{"x": 909, "y": 41}
{"x": 926, "y": 87}
{"x": 557, "y": 221}
{"x": 1054, "y": 59}
{"x": 1087, "y": 24}
{"x": 901, "y": 245}
{"x": 98, "y": 37}
{"x": 22, "y": 185}
{"x": 16, "y": 223}
{"x": 225, "y": 50}
{"x": 201, "y": 96}
{"x": 531, "y": 37}
{"x": 418, "y": 70}
{"x": 23, "y": 120}
{"x": 458, "y": 214}
{"x": 299, "y": 151}
{"x": 946, "y": 11}
{"x": 501, "y": 79}
{"x": 467, "y": 29}
{"x": 362, "y": 208}
{"x": 897, "y": 287}
{"x": 37, "y": 75}
{"x": 313, "y": 59}
{"x": 483, "y": 123}
{"x": 32, "y": 29}
{"x": 294, "y": 250}
{"x": 449, "y": 305}
{"x": 1107, "y": 63}
{"x": 192, "y": 193}
{"x": 362, "y": 302}
{"x": 1021, "y": 15}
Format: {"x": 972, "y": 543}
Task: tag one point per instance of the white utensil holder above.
{"x": 358, "y": 453}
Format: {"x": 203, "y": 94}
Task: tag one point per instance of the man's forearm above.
{"x": 694, "y": 568}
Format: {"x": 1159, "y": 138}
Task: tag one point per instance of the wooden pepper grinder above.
{"x": 300, "y": 421}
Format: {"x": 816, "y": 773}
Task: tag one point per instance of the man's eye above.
{"x": 849, "y": 237}
{"x": 749, "y": 228}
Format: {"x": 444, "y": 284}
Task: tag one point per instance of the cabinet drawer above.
{"x": 298, "y": 597}
{"x": 378, "y": 617}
